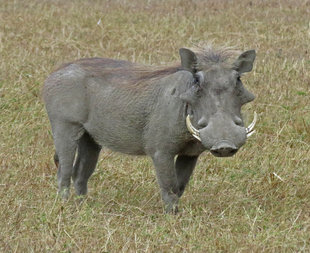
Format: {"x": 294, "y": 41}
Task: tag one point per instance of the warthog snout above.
{"x": 222, "y": 135}
{"x": 224, "y": 149}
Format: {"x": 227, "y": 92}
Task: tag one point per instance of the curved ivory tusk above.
{"x": 249, "y": 134}
{"x": 192, "y": 129}
{"x": 250, "y": 129}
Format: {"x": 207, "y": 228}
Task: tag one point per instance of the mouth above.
{"x": 219, "y": 154}
{"x": 223, "y": 149}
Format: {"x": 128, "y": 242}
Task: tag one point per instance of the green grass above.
{"x": 231, "y": 205}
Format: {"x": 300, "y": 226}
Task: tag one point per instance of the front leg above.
{"x": 184, "y": 166}
{"x": 167, "y": 180}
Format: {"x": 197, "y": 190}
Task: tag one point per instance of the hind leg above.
{"x": 88, "y": 152}
{"x": 65, "y": 138}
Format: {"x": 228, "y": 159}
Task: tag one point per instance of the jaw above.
{"x": 217, "y": 154}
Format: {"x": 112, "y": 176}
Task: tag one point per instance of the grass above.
{"x": 237, "y": 204}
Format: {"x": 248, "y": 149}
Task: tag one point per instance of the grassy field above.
{"x": 258, "y": 200}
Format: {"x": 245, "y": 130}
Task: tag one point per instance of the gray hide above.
{"x": 97, "y": 102}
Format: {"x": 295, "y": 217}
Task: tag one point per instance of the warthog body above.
{"x": 129, "y": 108}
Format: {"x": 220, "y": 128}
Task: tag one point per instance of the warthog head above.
{"x": 214, "y": 101}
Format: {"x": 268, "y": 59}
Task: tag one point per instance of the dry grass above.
{"x": 231, "y": 205}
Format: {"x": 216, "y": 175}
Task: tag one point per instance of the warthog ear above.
{"x": 244, "y": 63}
{"x": 188, "y": 60}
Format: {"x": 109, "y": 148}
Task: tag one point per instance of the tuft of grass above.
{"x": 256, "y": 201}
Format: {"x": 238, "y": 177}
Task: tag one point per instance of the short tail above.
{"x": 56, "y": 160}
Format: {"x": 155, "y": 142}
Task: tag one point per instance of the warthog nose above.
{"x": 224, "y": 149}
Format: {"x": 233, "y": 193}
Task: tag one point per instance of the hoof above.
{"x": 64, "y": 193}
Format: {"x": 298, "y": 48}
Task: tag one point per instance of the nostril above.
{"x": 202, "y": 122}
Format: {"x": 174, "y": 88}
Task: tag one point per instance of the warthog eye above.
{"x": 199, "y": 78}
{"x": 196, "y": 80}
{"x": 238, "y": 78}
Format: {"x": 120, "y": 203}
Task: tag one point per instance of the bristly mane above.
{"x": 139, "y": 74}
{"x": 207, "y": 57}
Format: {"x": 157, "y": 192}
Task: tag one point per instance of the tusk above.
{"x": 249, "y": 134}
{"x": 250, "y": 129}
{"x": 251, "y": 126}
{"x": 192, "y": 129}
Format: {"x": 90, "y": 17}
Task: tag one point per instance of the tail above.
{"x": 56, "y": 160}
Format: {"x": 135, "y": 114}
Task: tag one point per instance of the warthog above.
{"x": 172, "y": 114}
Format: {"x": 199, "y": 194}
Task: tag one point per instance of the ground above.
{"x": 256, "y": 201}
